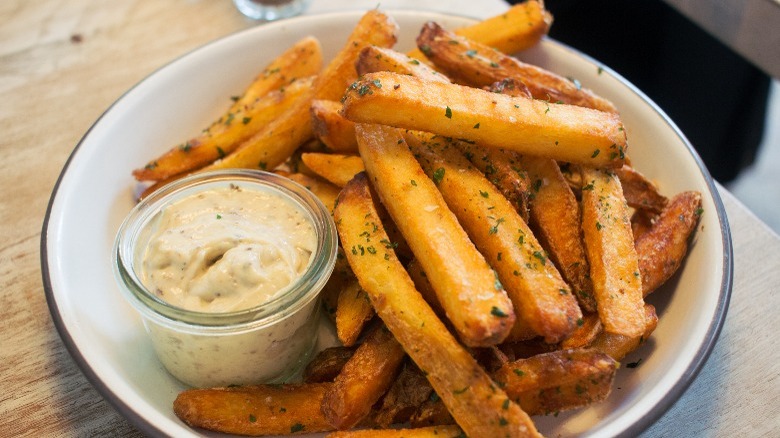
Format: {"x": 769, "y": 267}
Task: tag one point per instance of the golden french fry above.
{"x": 303, "y": 59}
{"x": 471, "y": 63}
{"x": 447, "y": 431}
{"x": 540, "y": 296}
{"x": 353, "y": 312}
{"x": 224, "y": 135}
{"x": 367, "y": 375}
{"x": 640, "y": 192}
{"x": 618, "y": 346}
{"x": 373, "y": 59}
{"x": 587, "y": 329}
{"x": 662, "y": 248}
{"x": 336, "y": 132}
{"x": 336, "y": 168}
{"x": 323, "y": 190}
{"x": 467, "y": 288}
{"x": 563, "y": 132}
{"x": 478, "y": 405}
{"x": 559, "y": 380}
{"x": 614, "y": 264}
{"x": 272, "y": 145}
{"x": 255, "y": 410}
{"x": 555, "y": 218}
{"x": 519, "y": 28}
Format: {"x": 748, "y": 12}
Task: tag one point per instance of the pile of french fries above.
{"x": 496, "y": 244}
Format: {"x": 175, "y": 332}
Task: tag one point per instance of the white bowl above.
{"x": 95, "y": 192}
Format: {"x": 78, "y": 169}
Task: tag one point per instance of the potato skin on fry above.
{"x": 662, "y": 248}
{"x": 563, "y": 132}
{"x": 367, "y": 375}
{"x": 479, "y": 406}
{"x": 255, "y": 410}
{"x": 336, "y": 132}
{"x": 448, "y": 431}
{"x": 618, "y": 346}
{"x": 470, "y": 63}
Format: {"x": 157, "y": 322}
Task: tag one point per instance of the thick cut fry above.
{"x": 471, "y": 63}
{"x": 614, "y": 265}
{"x": 587, "y": 329}
{"x": 618, "y": 346}
{"x": 540, "y": 296}
{"x": 255, "y": 410}
{"x": 639, "y": 191}
{"x": 336, "y": 132}
{"x": 373, "y": 59}
{"x": 641, "y": 222}
{"x": 555, "y": 218}
{"x": 559, "y": 380}
{"x": 467, "y": 288}
{"x": 272, "y": 145}
{"x": 336, "y": 168}
{"x": 409, "y": 391}
{"x": 563, "y": 132}
{"x": 327, "y": 364}
{"x": 478, "y": 405}
{"x": 353, "y": 312}
{"x": 303, "y": 59}
{"x": 224, "y": 135}
{"x": 502, "y": 168}
{"x": 447, "y": 431}
{"x": 519, "y": 28}
{"x": 367, "y": 375}
{"x": 662, "y": 249}
{"x": 323, "y": 190}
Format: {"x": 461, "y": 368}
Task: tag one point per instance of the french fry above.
{"x": 336, "y": 168}
{"x": 255, "y": 410}
{"x": 641, "y": 222}
{"x": 587, "y": 330}
{"x": 303, "y": 59}
{"x": 614, "y": 264}
{"x": 540, "y": 296}
{"x": 470, "y": 63}
{"x": 336, "y": 132}
{"x": 662, "y": 248}
{"x": 367, "y": 375}
{"x": 477, "y": 404}
{"x": 225, "y": 134}
{"x": 618, "y": 346}
{"x": 502, "y": 168}
{"x": 467, "y": 288}
{"x": 519, "y": 28}
{"x": 563, "y": 132}
{"x": 272, "y": 145}
{"x": 555, "y": 218}
{"x": 323, "y": 190}
{"x": 640, "y": 192}
{"x": 353, "y": 312}
{"x": 327, "y": 364}
{"x": 559, "y": 380}
{"x": 510, "y": 87}
{"x": 373, "y": 59}
{"x": 448, "y": 431}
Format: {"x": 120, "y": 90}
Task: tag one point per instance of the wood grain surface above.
{"x": 63, "y": 62}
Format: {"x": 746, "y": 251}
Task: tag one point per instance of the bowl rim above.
{"x": 145, "y": 426}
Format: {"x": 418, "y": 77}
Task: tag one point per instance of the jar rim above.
{"x": 285, "y": 301}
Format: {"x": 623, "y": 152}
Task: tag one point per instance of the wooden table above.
{"x": 62, "y": 63}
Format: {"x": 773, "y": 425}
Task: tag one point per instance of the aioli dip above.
{"x": 225, "y": 268}
{"x": 227, "y": 249}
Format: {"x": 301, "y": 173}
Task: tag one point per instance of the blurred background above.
{"x": 727, "y": 106}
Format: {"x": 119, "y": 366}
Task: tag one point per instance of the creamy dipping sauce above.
{"x": 227, "y": 249}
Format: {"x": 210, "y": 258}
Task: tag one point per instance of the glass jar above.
{"x": 267, "y": 343}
